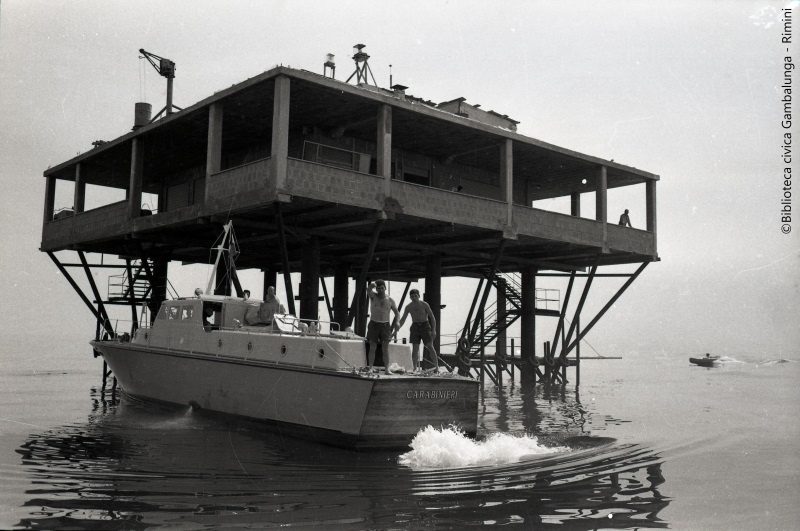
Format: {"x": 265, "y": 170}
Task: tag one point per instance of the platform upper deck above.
{"x": 343, "y": 164}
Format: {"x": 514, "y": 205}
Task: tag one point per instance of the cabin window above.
{"x": 186, "y": 313}
{"x": 173, "y": 312}
{"x": 162, "y": 313}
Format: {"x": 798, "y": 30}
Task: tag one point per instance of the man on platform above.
{"x": 423, "y": 328}
{"x": 379, "y": 329}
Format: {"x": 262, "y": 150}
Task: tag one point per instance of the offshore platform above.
{"x": 324, "y": 177}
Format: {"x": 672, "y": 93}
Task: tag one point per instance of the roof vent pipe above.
{"x": 142, "y": 115}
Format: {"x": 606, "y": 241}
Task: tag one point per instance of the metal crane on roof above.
{"x": 165, "y": 68}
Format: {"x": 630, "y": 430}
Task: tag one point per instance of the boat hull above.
{"x": 703, "y": 362}
{"x": 335, "y": 407}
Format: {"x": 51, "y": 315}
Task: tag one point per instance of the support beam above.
{"x": 433, "y": 293}
{"x": 279, "y": 156}
{"x": 362, "y": 276}
{"x": 270, "y": 279}
{"x": 479, "y": 316}
{"x": 101, "y": 309}
{"x": 287, "y": 273}
{"x": 528, "y": 317}
{"x": 135, "y": 184}
{"x": 100, "y": 320}
{"x": 605, "y": 308}
{"x": 79, "y": 199}
{"x": 563, "y": 316}
{"x": 341, "y": 296}
{"x": 384, "y": 152}
{"x": 214, "y": 146}
{"x": 579, "y": 309}
{"x": 309, "y": 280}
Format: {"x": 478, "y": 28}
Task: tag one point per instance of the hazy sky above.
{"x": 687, "y": 90}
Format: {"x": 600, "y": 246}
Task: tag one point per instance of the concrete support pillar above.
{"x": 362, "y": 311}
{"x": 214, "y": 146}
{"x": 507, "y": 177}
{"x": 341, "y": 294}
{"x": 270, "y": 279}
{"x": 528, "y": 316}
{"x": 502, "y": 337}
{"x": 601, "y": 195}
{"x": 280, "y": 132}
{"x": 575, "y": 204}
{"x": 135, "y": 185}
{"x": 384, "y": 152}
{"x": 309, "y": 280}
{"x": 433, "y": 292}
{"x": 79, "y": 201}
{"x": 49, "y": 199}
{"x": 651, "y": 206}
{"x": 159, "y": 287}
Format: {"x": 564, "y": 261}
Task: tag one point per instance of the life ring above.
{"x": 550, "y": 361}
{"x": 464, "y": 359}
{"x": 463, "y": 344}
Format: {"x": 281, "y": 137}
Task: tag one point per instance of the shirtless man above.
{"x": 423, "y": 328}
{"x": 379, "y": 328}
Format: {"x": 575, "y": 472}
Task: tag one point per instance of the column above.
{"x": 528, "y": 317}
{"x": 49, "y": 198}
{"x": 159, "y": 287}
{"x": 135, "y": 186}
{"x": 433, "y": 292}
{"x": 507, "y": 177}
{"x": 384, "y": 151}
{"x": 270, "y": 279}
{"x": 601, "y": 196}
{"x": 309, "y": 280}
{"x": 79, "y": 201}
{"x": 214, "y": 146}
{"x": 280, "y": 132}
{"x": 341, "y": 294}
{"x": 575, "y": 204}
{"x": 651, "y": 206}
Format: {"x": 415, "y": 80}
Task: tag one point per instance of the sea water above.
{"x": 648, "y": 441}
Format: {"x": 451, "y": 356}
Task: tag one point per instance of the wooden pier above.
{"x": 324, "y": 178}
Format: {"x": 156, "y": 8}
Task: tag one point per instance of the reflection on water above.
{"x": 136, "y": 466}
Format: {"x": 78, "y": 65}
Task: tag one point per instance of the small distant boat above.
{"x": 707, "y": 361}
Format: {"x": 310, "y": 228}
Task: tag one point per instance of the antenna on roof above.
{"x": 361, "y": 69}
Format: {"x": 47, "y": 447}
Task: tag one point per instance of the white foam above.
{"x": 449, "y": 448}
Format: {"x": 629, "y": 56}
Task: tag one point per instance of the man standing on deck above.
{"x": 379, "y": 328}
{"x": 423, "y": 328}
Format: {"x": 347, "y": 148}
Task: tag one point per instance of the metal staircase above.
{"x": 132, "y": 286}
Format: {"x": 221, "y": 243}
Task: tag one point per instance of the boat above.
{"x": 307, "y": 379}
{"x": 707, "y": 361}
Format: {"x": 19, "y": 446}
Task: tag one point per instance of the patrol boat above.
{"x": 306, "y": 379}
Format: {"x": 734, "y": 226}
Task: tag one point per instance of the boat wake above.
{"x": 449, "y": 448}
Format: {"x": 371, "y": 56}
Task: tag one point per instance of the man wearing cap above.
{"x": 379, "y": 328}
{"x": 423, "y": 328}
